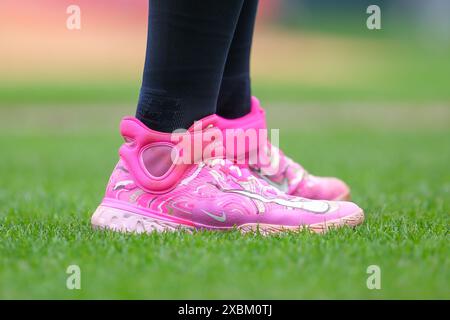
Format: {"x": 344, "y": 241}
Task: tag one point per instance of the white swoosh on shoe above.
{"x": 220, "y": 218}
{"x": 315, "y": 206}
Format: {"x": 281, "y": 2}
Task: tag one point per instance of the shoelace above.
{"x": 242, "y": 175}
{"x": 229, "y": 168}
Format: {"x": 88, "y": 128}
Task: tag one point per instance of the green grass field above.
{"x": 53, "y": 171}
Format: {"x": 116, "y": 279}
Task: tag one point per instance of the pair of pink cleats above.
{"x": 151, "y": 189}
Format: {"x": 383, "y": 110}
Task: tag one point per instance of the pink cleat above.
{"x": 150, "y": 189}
{"x": 288, "y": 176}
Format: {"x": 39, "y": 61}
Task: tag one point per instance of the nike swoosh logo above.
{"x": 315, "y": 206}
{"x": 220, "y": 218}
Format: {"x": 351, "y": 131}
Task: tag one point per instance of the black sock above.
{"x": 187, "y": 46}
{"x": 235, "y": 93}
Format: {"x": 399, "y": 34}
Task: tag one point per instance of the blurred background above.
{"x": 369, "y": 106}
{"x": 304, "y": 51}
